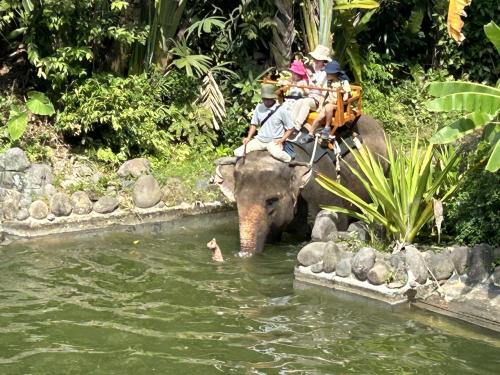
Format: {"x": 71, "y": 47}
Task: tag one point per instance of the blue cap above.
{"x": 333, "y": 67}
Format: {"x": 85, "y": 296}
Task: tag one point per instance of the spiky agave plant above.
{"x": 402, "y": 201}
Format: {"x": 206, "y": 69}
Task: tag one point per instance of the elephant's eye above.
{"x": 271, "y": 203}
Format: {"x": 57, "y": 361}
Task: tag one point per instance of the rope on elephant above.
{"x": 314, "y": 149}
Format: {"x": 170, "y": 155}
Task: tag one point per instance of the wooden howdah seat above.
{"x": 346, "y": 111}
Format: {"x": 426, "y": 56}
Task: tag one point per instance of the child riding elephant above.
{"x": 275, "y": 126}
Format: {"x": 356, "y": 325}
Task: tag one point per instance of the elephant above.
{"x": 273, "y": 196}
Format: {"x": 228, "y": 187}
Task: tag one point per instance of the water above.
{"x": 151, "y": 301}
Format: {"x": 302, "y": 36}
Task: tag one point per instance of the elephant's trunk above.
{"x": 253, "y": 228}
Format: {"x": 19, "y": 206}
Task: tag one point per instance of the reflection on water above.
{"x": 152, "y": 301}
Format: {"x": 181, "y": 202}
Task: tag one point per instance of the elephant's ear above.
{"x": 302, "y": 173}
{"x": 224, "y": 176}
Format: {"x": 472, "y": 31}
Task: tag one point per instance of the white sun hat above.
{"x": 321, "y": 53}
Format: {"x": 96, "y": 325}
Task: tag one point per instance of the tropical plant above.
{"x": 454, "y": 22}
{"x": 403, "y": 202}
{"x": 37, "y": 103}
{"x": 283, "y": 33}
{"x": 481, "y": 103}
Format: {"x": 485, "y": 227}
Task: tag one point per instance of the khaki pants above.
{"x": 274, "y": 149}
{"x": 301, "y": 109}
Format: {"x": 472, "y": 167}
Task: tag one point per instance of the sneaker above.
{"x": 306, "y": 139}
{"x": 325, "y": 133}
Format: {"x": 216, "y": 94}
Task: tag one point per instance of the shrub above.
{"x": 403, "y": 202}
{"x": 136, "y": 115}
{"x": 473, "y": 214}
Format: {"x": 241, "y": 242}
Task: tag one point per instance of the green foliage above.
{"x": 403, "y": 201}
{"x": 134, "y": 115}
{"x": 473, "y": 214}
{"x": 399, "y": 105}
{"x": 482, "y": 105}
{"x": 17, "y": 123}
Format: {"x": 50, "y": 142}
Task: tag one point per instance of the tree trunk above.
{"x": 283, "y": 33}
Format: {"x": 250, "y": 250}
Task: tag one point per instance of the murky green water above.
{"x": 153, "y": 302}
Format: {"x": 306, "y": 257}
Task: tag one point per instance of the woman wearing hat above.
{"x": 303, "y": 106}
{"x": 336, "y": 78}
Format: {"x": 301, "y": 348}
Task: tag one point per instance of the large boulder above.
{"x": 379, "y": 273}
{"x": 39, "y": 210}
{"x": 22, "y": 214}
{"x": 441, "y": 266}
{"x": 38, "y": 175}
{"x": 362, "y": 262}
{"x": 460, "y": 258}
{"x": 81, "y": 203}
{"x": 12, "y": 180}
{"x": 15, "y": 160}
{"x": 481, "y": 258}
{"x": 344, "y": 267}
{"x": 311, "y": 253}
{"x": 416, "y": 264}
{"x": 11, "y": 206}
{"x": 331, "y": 257}
{"x": 147, "y": 192}
{"x": 361, "y": 230}
{"x": 325, "y": 226}
{"x": 60, "y": 205}
{"x": 400, "y": 274}
{"x": 135, "y": 168}
{"x": 105, "y": 205}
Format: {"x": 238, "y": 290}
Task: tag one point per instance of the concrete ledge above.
{"x": 475, "y": 304}
{"x": 32, "y": 228}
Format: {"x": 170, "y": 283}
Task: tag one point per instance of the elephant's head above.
{"x": 266, "y": 192}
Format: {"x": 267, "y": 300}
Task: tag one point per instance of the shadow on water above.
{"x": 148, "y": 299}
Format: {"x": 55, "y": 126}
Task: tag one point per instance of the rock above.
{"x": 325, "y": 226}
{"x": 201, "y": 185}
{"x": 22, "y": 214}
{"x": 49, "y": 190}
{"x": 361, "y": 229}
{"x": 67, "y": 183}
{"x": 343, "y": 268}
{"x": 399, "y": 278}
{"x": 81, "y": 203}
{"x": 317, "y": 267}
{"x": 146, "y": 192}
{"x": 135, "y": 168}
{"x": 10, "y": 207}
{"x": 12, "y": 180}
{"x": 106, "y": 205}
{"x": 38, "y": 176}
{"x": 331, "y": 257}
{"x": 311, "y": 253}
{"x": 379, "y": 273}
{"x": 38, "y": 210}
{"x": 481, "y": 257}
{"x": 460, "y": 258}
{"x": 25, "y": 201}
{"x": 415, "y": 262}
{"x": 60, "y": 205}
{"x": 362, "y": 262}
{"x": 15, "y": 160}
{"x": 496, "y": 276}
{"x": 51, "y": 217}
{"x": 83, "y": 170}
{"x": 441, "y": 266}
{"x": 96, "y": 177}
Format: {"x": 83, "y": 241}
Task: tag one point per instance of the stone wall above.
{"x": 465, "y": 279}
{"x": 27, "y": 191}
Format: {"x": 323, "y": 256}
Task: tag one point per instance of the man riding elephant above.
{"x": 275, "y": 126}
